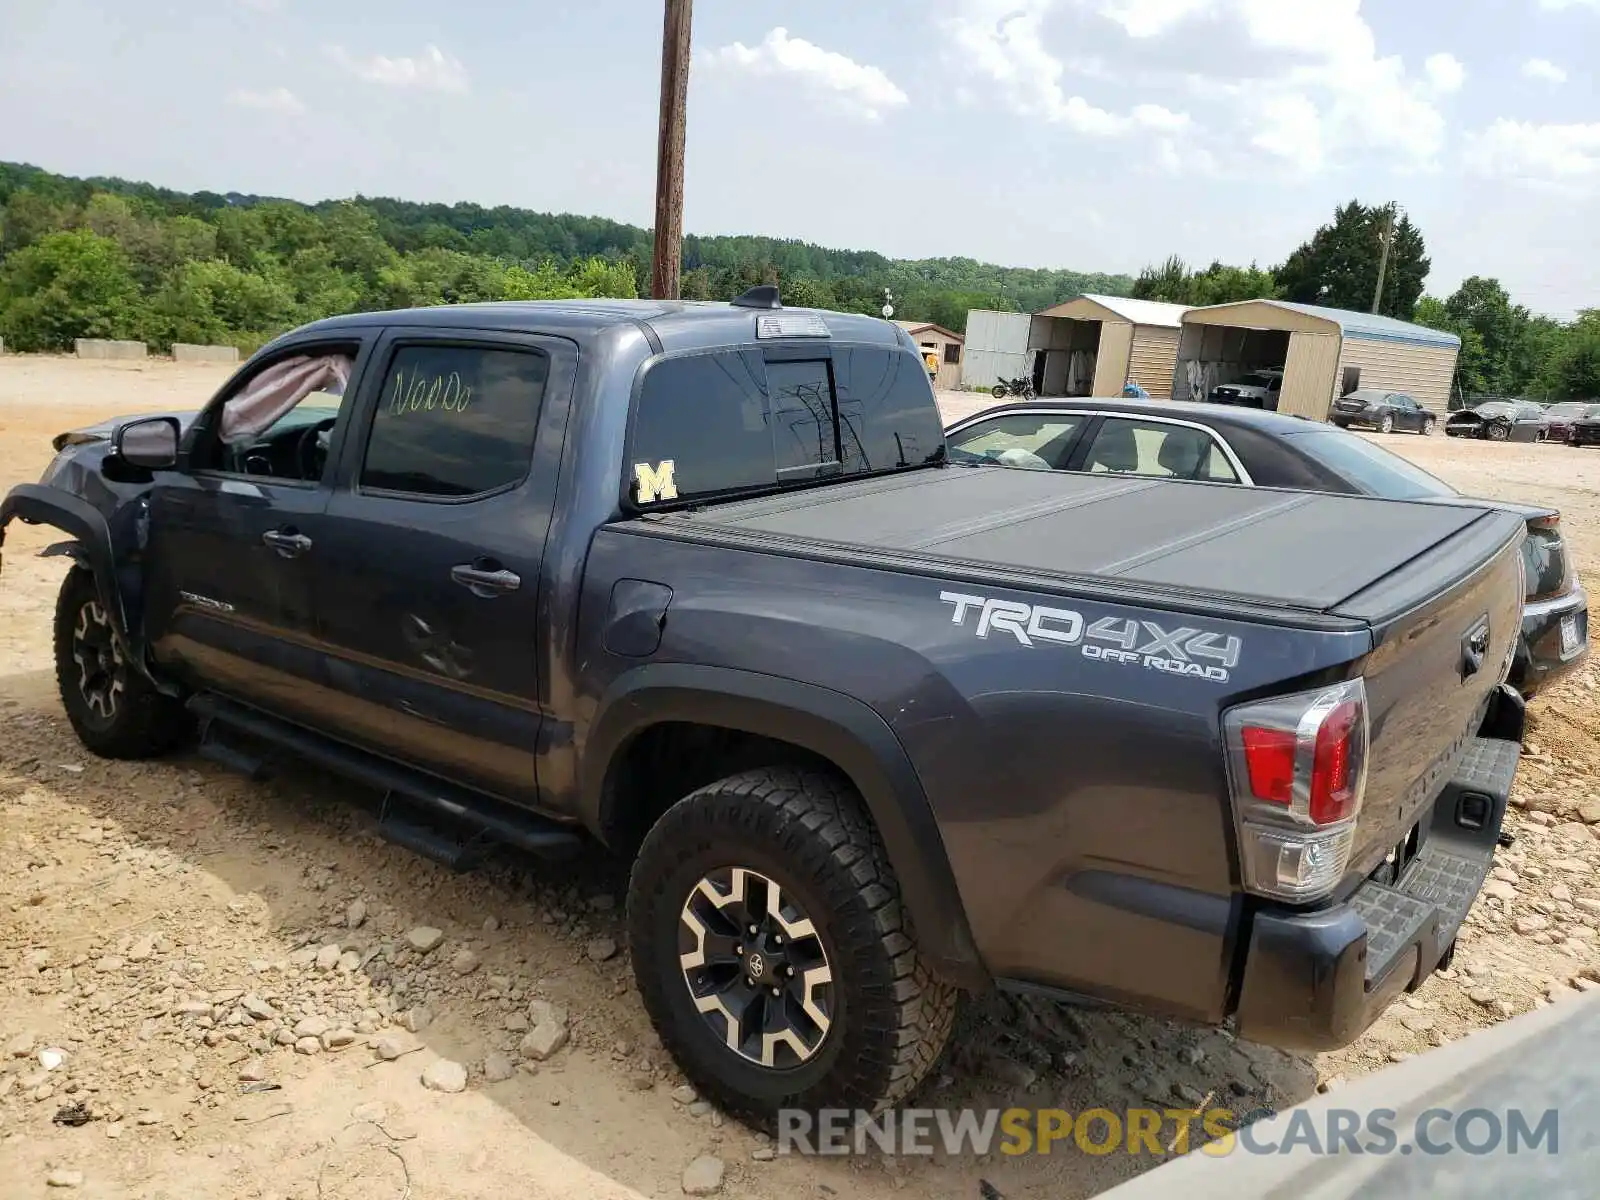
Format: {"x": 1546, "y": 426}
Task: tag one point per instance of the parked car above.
{"x": 698, "y": 581}
{"x": 1558, "y": 418}
{"x": 1258, "y": 389}
{"x": 1374, "y": 408}
{"x": 1585, "y": 430}
{"x": 1226, "y": 445}
{"x": 1499, "y": 421}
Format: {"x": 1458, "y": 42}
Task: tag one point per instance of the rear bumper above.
{"x": 1541, "y": 657}
{"x": 1316, "y": 980}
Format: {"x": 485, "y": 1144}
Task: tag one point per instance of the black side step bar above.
{"x": 451, "y": 824}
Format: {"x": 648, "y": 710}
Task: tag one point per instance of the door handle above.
{"x": 287, "y": 542}
{"x": 484, "y": 582}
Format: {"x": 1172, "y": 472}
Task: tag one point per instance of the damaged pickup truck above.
{"x": 697, "y": 581}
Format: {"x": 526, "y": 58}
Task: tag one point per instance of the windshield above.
{"x": 1371, "y": 468}
{"x": 1568, "y": 410}
{"x": 1258, "y": 379}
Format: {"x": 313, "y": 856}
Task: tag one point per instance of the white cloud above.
{"x": 1289, "y": 126}
{"x": 278, "y": 100}
{"x": 432, "y": 70}
{"x": 1003, "y": 40}
{"x": 1316, "y": 90}
{"x": 1445, "y": 72}
{"x": 866, "y": 88}
{"x": 1151, "y": 18}
{"x": 1543, "y": 68}
{"x": 1540, "y": 153}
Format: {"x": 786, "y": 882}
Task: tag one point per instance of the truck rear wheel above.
{"x": 115, "y": 711}
{"x": 773, "y": 952}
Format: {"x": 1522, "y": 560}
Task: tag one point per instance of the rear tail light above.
{"x": 1297, "y": 769}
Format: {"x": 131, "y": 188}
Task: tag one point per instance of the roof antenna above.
{"x": 763, "y": 295}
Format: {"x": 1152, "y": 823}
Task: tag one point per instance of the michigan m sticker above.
{"x": 655, "y": 483}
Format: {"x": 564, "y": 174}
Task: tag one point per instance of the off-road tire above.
{"x": 998, "y": 391}
{"x": 138, "y": 722}
{"x": 808, "y": 832}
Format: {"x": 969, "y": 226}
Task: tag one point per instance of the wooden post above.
{"x": 668, "y": 258}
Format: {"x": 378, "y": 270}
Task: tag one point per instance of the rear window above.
{"x": 731, "y": 422}
{"x": 1372, "y": 468}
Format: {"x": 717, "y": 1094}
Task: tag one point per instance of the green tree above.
{"x": 1483, "y": 306}
{"x": 1173, "y": 282}
{"x": 1338, "y": 266}
{"x": 29, "y": 216}
{"x": 211, "y": 301}
{"x": 1577, "y": 373}
{"x": 68, "y": 285}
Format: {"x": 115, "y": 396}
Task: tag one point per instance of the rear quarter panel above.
{"x": 1078, "y": 797}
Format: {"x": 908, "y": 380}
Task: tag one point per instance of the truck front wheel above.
{"x": 115, "y": 711}
{"x": 773, "y": 952}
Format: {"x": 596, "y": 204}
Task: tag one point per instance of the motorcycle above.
{"x": 1021, "y": 388}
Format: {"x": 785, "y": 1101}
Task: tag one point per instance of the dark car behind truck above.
{"x": 697, "y": 581}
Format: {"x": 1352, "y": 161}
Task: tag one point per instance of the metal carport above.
{"x": 1323, "y": 353}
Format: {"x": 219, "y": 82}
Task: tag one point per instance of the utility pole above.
{"x": 1383, "y": 263}
{"x": 668, "y": 258}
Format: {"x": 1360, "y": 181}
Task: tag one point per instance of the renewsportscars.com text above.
{"x": 1169, "y": 1131}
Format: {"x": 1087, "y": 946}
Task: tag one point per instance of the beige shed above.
{"x": 1320, "y": 353}
{"x": 945, "y": 344}
{"x": 1095, "y": 345}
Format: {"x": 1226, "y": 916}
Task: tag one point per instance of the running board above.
{"x": 446, "y": 822}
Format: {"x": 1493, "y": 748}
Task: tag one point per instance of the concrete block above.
{"x": 104, "y": 348}
{"x": 189, "y": 352}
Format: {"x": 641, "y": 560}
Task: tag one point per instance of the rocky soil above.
{"x": 216, "y": 988}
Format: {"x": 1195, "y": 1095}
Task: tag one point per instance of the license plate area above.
{"x": 1571, "y": 641}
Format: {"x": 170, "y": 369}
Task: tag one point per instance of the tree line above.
{"x": 1505, "y": 349}
{"x": 112, "y": 258}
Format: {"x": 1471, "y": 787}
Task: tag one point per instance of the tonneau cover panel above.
{"x": 1296, "y": 549}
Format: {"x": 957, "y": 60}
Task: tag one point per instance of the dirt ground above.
{"x": 202, "y": 979}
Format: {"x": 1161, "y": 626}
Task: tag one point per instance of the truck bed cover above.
{"x": 1312, "y": 552}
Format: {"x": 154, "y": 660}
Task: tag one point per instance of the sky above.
{"x": 1099, "y": 135}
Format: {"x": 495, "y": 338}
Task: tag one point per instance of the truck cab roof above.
{"x": 672, "y": 324}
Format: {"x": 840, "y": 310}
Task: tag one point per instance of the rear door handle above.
{"x": 287, "y": 542}
{"x": 481, "y": 581}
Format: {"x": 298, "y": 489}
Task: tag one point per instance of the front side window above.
{"x": 455, "y": 421}
{"x": 1018, "y": 439}
{"x": 1159, "y": 450}
{"x": 278, "y": 423}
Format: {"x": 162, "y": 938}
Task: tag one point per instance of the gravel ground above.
{"x": 211, "y": 987}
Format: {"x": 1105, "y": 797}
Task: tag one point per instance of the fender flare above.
{"x": 40, "y": 504}
{"x": 835, "y": 726}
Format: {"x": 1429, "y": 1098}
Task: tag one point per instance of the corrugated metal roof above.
{"x": 1373, "y": 327}
{"x": 1142, "y": 312}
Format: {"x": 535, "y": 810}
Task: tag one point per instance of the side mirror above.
{"x": 151, "y": 443}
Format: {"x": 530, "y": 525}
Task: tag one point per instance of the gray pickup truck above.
{"x": 698, "y": 581}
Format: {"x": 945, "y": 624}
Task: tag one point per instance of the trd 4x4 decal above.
{"x": 1198, "y": 653}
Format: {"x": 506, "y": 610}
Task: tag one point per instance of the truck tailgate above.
{"x": 1444, "y": 630}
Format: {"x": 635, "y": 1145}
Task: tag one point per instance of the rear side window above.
{"x": 455, "y": 421}
{"x": 729, "y": 421}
